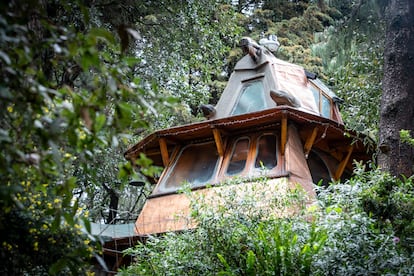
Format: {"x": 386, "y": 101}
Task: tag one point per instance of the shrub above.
{"x": 239, "y": 236}
{"x": 356, "y": 245}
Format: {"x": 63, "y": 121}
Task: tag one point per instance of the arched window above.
{"x": 238, "y": 156}
{"x": 251, "y": 98}
{"x": 196, "y": 169}
{"x": 266, "y": 152}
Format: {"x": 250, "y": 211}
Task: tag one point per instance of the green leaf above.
{"x": 125, "y": 170}
{"x": 87, "y": 224}
{"x": 99, "y": 122}
{"x": 56, "y": 221}
{"x": 223, "y": 261}
{"x": 89, "y": 59}
{"x": 124, "y": 114}
{"x": 102, "y": 33}
{"x": 58, "y": 266}
{"x": 250, "y": 262}
{"x": 4, "y": 136}
{"x": 69, "y": 218}
{"x": 5, "y": 93}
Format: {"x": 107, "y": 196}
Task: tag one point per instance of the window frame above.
{"x": 231, "y": 154}
{"x": 255, "y": 168}
{"x": 322, "y": 93}
{"x": 169, "y": 170}
{"x": 250, "y": 169}
{"x": 242, "y": 90}
{"x": 219, "y": 173}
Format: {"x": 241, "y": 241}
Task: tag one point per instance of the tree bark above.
{"x": 397, "y": 102}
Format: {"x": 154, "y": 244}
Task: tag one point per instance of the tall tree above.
{"x": 351, "y": 52}
{"x": 66, "y": 93}
{"x": 397, "y": 103}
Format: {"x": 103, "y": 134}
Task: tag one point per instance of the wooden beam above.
{"x": 283, "y": 135}
{"x": 342, "y": 165}
{"x": 164, "y": 151}
{"x": 310, "y": 141}
{"x": 219, "y": 141}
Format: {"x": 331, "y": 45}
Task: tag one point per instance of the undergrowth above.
{"x": 360, "y": 227}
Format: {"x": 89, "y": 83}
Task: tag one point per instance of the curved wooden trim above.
{"x": 219, "y": 141}
{"x": 164, "y": 151}
{"x": 342, "y": 165}
{"x": 310, "y": 141}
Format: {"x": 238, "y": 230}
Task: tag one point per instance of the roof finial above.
{"x": 271, "y": 43}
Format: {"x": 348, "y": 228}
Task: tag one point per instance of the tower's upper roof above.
{"x": 261, "y": 81}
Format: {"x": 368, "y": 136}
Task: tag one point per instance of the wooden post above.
{"x": 283, "y": 134}
{"x": 342, "y": 165}
{"x": 164, "y": 151}
{"x": 219, "y": 141}
{"x": 310, "y": 141}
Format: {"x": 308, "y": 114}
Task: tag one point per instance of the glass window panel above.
{"x": 251, "y": 98}
{"x": 196, "y": 164}
{"x": 266, "y": 156}
{"x": 326, "y": 107}
{"x": 315, "y": 93}
{"x": 238, "y": 156}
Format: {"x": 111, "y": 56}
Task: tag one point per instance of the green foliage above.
{"x": 66, "y": 96}
{"x": 104, "y": 180}
{"x": 334, "y": 236}
{"x": 358, "y": 244}
{"x": 406, "y": 137}
{"x": 38, "y": 245}
{"x": 295, "y": 24}
{"x": 357, "y": 80}
{"x": 69, "y": 92}
{"x": 234, "y": 237}
{"x": 390, "y": 201}
{"x": 184, "y": 45}
{"x": 351, "y": 52}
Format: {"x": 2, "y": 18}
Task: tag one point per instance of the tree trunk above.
{"x": 397, "y": 102}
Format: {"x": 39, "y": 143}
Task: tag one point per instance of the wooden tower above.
{"x": 273, "y": 117}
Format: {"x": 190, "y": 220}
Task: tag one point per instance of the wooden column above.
{"x": 219, "y": 141}
{"x": 310, "y": 141}
{"x": 164, "y": 151}
{"x": 342, "y": 165}
{"x": 283, "y": 135}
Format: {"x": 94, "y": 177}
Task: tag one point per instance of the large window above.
{"x": 322, "y": 102}
{"x": 251, "y": 98}
{"x": 325, "y": 106}
{"x": 196, "y": 164}
{"x": 252, "y": 154}
{"x": 200, "y": 164}
{"x": 238, "y": 156}
{"x": 322, "y": 95}
{"x": 266, "y": 152}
